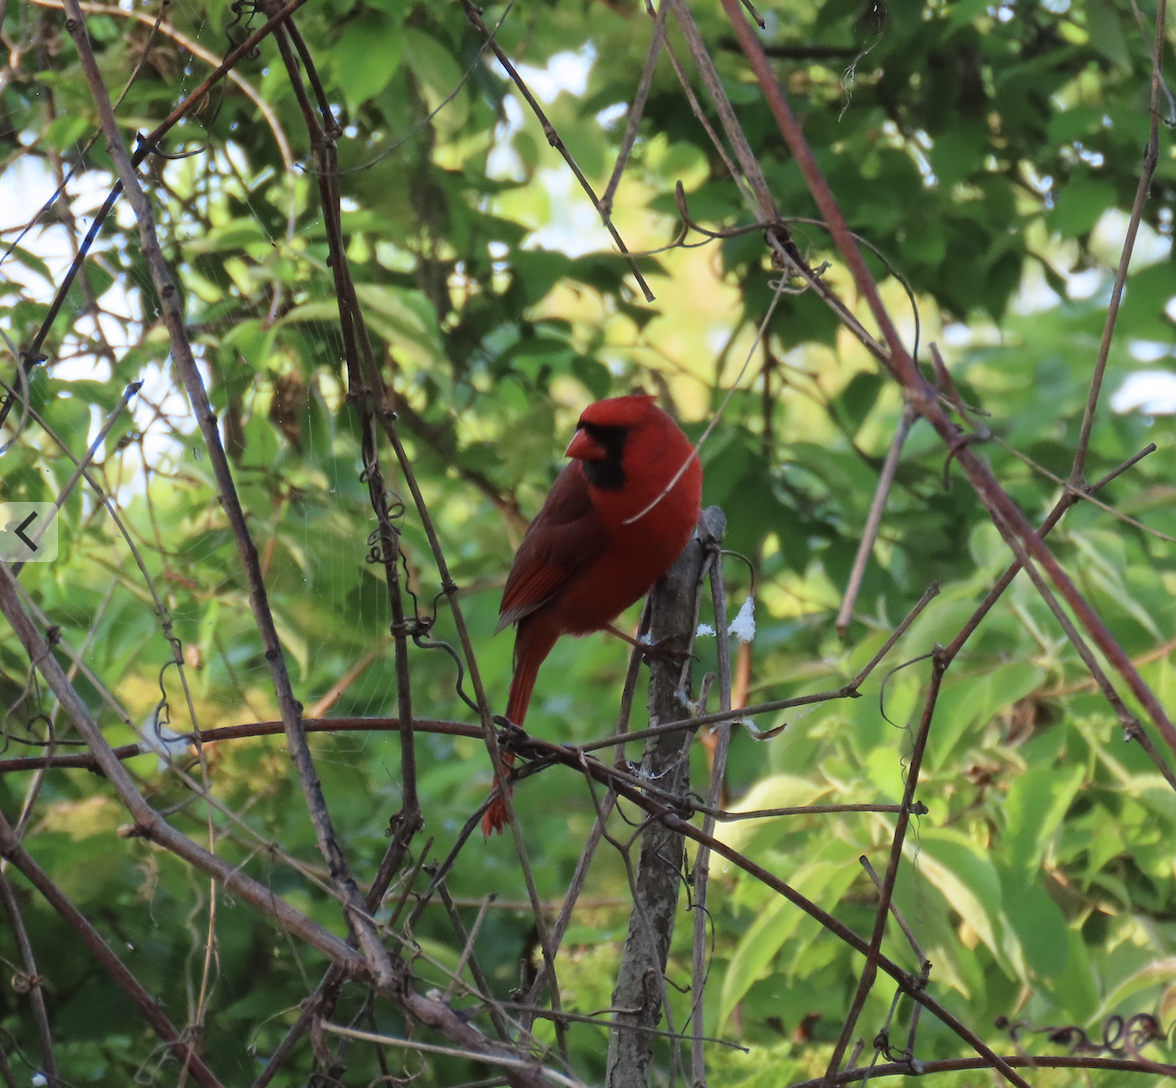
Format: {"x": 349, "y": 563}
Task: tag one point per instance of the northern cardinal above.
{"x": 607, "y": 532}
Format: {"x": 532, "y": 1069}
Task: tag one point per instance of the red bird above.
{"x": 615, "y": 521}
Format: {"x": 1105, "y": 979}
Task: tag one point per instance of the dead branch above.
{"x": 700, "y": 967}
{"x": 31, "y": 981}
{"x": 638, "y": 993}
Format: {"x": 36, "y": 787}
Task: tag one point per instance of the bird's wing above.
{"x": 566, "y": 536}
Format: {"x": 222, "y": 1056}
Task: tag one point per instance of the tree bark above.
{"x": 666, "y": 765}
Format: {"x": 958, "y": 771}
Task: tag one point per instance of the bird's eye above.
{"x": 612, "y": 439}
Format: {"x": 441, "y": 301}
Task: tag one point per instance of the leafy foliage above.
{"x": 987, "y": 152}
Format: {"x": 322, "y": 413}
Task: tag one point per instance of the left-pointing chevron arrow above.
{"x": 20, "y": 531}
{"x": 28, "y": 532}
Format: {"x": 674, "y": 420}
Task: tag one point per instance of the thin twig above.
{"x": 339, "y": 688}
{"x": 467, "y": 941}
{"x": 636, "y": 109}
{"x": 886, "y": 891}
{"x": 700, "y": 958}
{"x": 807, "y": 810}
{"x": 1083, "y": 494}
{"x": 902, "y": 923}
{"x": 595, "y": 1021}
{"x": 474, "y": 14}
{"x": 88, "y": 761}
{"x": 33, "y": 983}
{"x": 1151, "y": 158}
{"x": 409, "y": 820}
{"x": 764, "y": 207}
{"x": 6, "y": 1073}
{"x": 571, "y": 898}
{"x": 536, "y": 1072}
{"x": 929, "y": 594}
{"x": 874, "y": 520}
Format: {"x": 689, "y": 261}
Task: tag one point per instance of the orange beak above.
{"x": 584, "y": 447}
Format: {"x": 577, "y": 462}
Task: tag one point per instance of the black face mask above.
{"x": 609, "y": 474}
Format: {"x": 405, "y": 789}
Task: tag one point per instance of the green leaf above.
{"x": 367, "y": 55}
{"x": 1156, "y": 973}
{"x": 971, "y": 702}
{"x": 438, "y": 74}
{"x": 594, "y": 375}
{"x": 235, "y": 235}
{"x": 31, "y": 261}
{"x": 1037, "y": 802}
{"x": 1037, "y": 921}
{"x": 539, "y": 270}
{"x": 966, "y": 877}
{"x": 958, "y": 153}
{"x": 857, "y": 398}
{"x": 1106, "y": 32}
{"x": 775, "y": 924}
{"x": 1148, "y": 293}
{"x": 1075, "y": 988}
{"x": 775, "y": 791}
{"x": 1079, "y": 205}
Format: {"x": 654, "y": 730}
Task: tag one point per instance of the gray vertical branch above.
{"x": 640, "y": 980}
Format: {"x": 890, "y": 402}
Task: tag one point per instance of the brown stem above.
{"x": 32, "y": 976}
{"x": 700, "y": 966}
{"x": 1151, "y": 158}
{"x": 873, "y": 521}
{"x": 88, "y": 761}
{"x": 636, "y": 109}
{"x": 409, "y": 820}
{"x": 640, "y": 977}
{"x": 869, "y": 972}
{"x": 907, "y": 932}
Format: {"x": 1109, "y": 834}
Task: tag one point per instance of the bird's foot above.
{"x": 662, "y": 650}
{"x": 512, "y": 737}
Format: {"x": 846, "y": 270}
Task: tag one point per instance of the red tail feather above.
{"x": 532, "y": 645}
{"x": 494, "y": 818}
